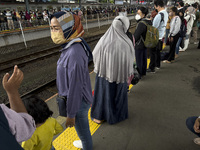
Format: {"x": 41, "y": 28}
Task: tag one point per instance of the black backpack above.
{"x": 183, "y": 29}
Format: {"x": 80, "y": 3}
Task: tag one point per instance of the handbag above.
{"x": 62, "y": 105}
{"x": 136, "y": 76}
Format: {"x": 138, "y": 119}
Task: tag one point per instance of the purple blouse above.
{"x": 21, "y": 125}
{"x": 73, "y": 79}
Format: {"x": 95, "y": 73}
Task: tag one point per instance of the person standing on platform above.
{"x": 190, "y": 18}
{"x": 73, "y": 79}
{"x": 195, "y": 28}
{"x": 113, "y": 63}
{"x": 140, "y": 36}
{"x": 181, "y": 7}
{"x": 175, "y": 26}
{"x": 159, "y": 22}
{"x": 167, "y": 31}
{"x": 182, "y": 32}
{"x": 10, "y": 20}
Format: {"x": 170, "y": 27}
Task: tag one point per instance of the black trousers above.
{"x": 141, "y": 60}
{"x": 173, "y": 47}
{"x": 155, "y": 56}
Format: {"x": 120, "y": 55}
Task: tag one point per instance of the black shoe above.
{"x": 151, "y": 70}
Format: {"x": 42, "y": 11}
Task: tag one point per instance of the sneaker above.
{"x": 151, "y": 71}
{"x": 182, "y": 50}
{"x": 157, "y": 68}
{"x": 78, "y": 144}
{"x": 166, "y": 61}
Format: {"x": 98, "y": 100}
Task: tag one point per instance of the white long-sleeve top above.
{"x": 190, "y": 21}
{"x": 175, "y": 26}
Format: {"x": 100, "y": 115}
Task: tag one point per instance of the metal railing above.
{"x": 13, "y": 25}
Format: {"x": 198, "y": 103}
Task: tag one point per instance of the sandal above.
{"x": 97, "y": 121}
{"x": 197, "y": 141}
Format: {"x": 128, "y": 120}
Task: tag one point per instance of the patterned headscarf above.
{"x": 70, "y": 23}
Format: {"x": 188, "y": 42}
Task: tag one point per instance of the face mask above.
{"x": 137, "y": 17}
{"x": 58, "y": 37}
{"x": 197, "y": 10}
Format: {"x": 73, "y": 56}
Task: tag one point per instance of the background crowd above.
{"x": 9, "y": 18}
{"x": 113, "y": 58}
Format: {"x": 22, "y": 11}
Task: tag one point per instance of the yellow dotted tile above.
{"x": 65, "y": 140}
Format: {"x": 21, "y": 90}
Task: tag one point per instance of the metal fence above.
{"x": 13, "y": 25}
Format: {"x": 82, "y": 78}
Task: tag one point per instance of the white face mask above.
{"x": 137, "y": 17}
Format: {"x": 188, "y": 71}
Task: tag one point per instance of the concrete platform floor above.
{"x": 158, "y": 108}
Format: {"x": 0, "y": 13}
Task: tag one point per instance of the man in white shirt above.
{"x": 10, "y": 20}
{"x": 159, "y": 22}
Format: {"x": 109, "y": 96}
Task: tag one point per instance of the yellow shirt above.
{"x": 43, "y": 136}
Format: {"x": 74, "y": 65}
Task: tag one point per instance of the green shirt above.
{"x": 197, "y": 19}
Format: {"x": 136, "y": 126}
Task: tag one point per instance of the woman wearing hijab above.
{"x": 190, "y": 17}
{"x": 73, "y": 80}
{"x": 113, "y": 61}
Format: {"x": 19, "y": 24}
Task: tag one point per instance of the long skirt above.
{"x": 110, "y": 101}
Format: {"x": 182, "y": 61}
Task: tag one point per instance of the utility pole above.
{"x": 27, "y": 6}
{"x": 80, "y": 4}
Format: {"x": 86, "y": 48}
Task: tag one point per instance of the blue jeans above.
{"x": 82, "y": 126}
{"x": 178, "y": 44}
{"x": 190, "y": 124}
{"x": 166, "y": 35}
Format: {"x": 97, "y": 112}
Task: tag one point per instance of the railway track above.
{"x": 33, "y": 57}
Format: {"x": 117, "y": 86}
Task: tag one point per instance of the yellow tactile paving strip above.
{"x": 65, "y": 140}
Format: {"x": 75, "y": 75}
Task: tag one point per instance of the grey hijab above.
{"x": 114, "y": 53}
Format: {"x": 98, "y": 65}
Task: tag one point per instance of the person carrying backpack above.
{"x": 174, "y": 33}
{"x": 183, "y": 31}
{"x": 159, "y": 22}
{"x": 140, "y": 36}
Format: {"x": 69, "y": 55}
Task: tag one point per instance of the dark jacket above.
{"x": 8, "y": 140}
{"x": 140, "y": 33}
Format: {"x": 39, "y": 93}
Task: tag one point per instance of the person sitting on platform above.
{"x": 47, "y": 126}
{"x": 16, "y": 125}
{"x": 193, "y": 124}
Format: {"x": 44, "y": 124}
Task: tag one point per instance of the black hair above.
{"x": 195, "y": 5}
{"x": 181, "y": 3}
{"x": 37, "y": 108}
{"x": 144, "y": 10}
{"x": 159, "y": 3}
{"x": 174, "y": 9}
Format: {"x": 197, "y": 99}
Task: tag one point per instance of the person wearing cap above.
{"x": 73, "y": 79}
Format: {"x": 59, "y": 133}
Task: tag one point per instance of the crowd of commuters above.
{"x": 113, "y": 58}
{"x": 9, "y": 19}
